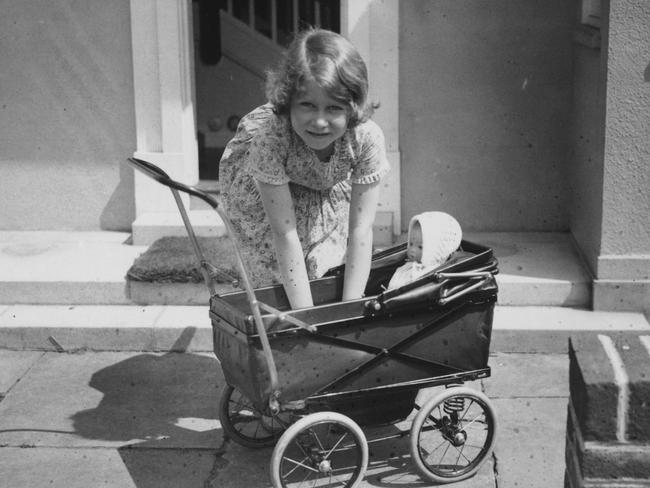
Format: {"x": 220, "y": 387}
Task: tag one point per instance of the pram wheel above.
{"x": 321, "y": 449}
{"x": 244, "y": 423}
{"x": 452, "y": 434}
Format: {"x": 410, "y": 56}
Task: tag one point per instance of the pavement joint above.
{"x": 495, "y": 468}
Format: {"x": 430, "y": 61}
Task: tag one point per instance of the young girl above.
{"x": 300, "y": 179}
{"x": 432, "y": 238}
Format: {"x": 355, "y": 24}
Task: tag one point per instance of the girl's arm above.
{"x": 363, "y": 207}
{"x": 278, "y": 205}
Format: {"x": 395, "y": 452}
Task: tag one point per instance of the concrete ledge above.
{"x": 160, "y": 328}
{"x": 538, "y": 268}
{"x": 105, "y": 328}
{"x": 621, "y": 295}
{"x": 548, "y": 329}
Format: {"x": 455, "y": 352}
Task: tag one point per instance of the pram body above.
{"x": 389, "y": 344}
{"x": 342, "y": 364}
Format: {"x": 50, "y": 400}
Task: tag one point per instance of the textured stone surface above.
{"x": 601, "y": 462}
{"x": 13, "y": 366}
{"x": 595, "y": 394}
{"x": 593, "y": 389}
{"x": 608, "y": 421}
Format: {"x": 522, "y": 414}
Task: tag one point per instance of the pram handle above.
{"x": 153, "y": 171}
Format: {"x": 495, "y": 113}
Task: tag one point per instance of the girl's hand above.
{"x": 363, "y": 207}
{"x": 278, "y": 205}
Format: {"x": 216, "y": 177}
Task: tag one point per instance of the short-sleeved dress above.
{"x": 265, "y": 148}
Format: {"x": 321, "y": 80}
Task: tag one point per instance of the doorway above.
{"x": 235, "y": 42}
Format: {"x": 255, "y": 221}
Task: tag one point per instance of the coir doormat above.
{"x": 172, "y": 260}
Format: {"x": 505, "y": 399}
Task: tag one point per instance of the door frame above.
{"x": 164, "y": 95}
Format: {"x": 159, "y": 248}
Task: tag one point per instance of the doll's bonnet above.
{"x": 441, "y": 236}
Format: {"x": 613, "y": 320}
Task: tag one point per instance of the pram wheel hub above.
{"x": 325, "y": 466}
{"x": 456, "y": 437}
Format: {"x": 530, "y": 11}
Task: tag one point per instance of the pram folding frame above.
{"x": 356, "y": 362}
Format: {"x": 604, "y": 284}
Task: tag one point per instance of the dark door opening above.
{"x": 235, "y": 41}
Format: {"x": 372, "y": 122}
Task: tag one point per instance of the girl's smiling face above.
{"x": 318, "y": 119}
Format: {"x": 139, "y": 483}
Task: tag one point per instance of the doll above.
{"x": 432, "y": 238}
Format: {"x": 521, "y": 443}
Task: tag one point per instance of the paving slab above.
{"x": 529, "y": 393}
{"x": 389, "y": 466}
{"x": 150, "y": 420}
{"x": 529, "y": 449}
{"x": 110, "y": 468}
{"x": 114, "y": 400}
{"x": 13, "y": 366}
{"x": 64, "y": 468}
{"x": 527, "y": 375}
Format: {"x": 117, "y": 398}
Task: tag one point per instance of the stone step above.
{"x": 535, "y": 269}
{"x": 528, "y": 330}
{"x": 151, "y": 226}
{"x": 51, "y": 267}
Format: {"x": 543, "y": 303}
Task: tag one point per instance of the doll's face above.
{"x": 414, "y": 249}
{"x": 318, "y": 119}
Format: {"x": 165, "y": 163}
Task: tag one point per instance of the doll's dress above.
{"x": 408, "y": 272}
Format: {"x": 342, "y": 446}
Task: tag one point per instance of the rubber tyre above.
{"x": 251, "y": 428}
{"x": 317, "y": 434}
{"x": 479, "y": 424}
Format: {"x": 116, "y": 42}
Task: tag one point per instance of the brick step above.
{"x": 608, "y": 422}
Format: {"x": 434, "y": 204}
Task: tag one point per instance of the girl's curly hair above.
{"x": 332, "y": 62}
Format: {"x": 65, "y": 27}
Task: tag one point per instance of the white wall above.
{"x": 66, "y": 115}
{"x": 485, "y": 99}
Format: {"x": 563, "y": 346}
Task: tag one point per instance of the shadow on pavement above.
{"x": 164, "y": 407}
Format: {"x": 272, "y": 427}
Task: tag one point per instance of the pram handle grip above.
{"x": 153, "y": 171}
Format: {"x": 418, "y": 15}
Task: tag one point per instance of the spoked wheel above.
{"x": 452, "y": 435}
{"x": 246, "y": 424}
{"x": 321, "y": 449}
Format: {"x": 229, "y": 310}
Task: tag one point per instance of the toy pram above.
{"x": 305, "y": 380}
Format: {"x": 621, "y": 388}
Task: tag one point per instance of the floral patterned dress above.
{"x": 265, "y": 148}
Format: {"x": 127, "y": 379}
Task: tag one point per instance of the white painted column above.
{"x": 163, "y": 73}
{"x": 373, "y": 27}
